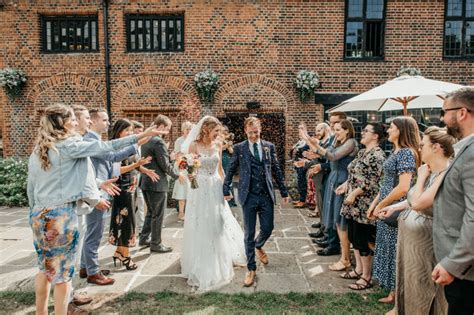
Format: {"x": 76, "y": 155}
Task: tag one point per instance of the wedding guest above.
{"x": 398, "y": 172}
{"x": 360, "y": 190}
{"x": 453, "y": 225}
{"x": 139, "y": 200}
{"x": 343, "y": 152}
{"x": 296, "y": 154}
{"x": 180, "y": 190}
{"x": 122, "y": 219}
{"x": 415, "y": 290}
{"x": 58, "y": 177}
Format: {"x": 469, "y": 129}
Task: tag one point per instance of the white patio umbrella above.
{"x": 405, "y": 92}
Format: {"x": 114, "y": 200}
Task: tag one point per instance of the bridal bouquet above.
{"x": 191, "y": 164}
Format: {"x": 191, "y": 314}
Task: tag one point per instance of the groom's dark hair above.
{"x": 252, "y": 121}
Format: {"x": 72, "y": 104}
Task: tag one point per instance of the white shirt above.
{"x": 259, "y": 147}
{"x": 458, "y": 146}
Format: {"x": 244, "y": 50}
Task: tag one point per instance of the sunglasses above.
{"x": 443, "y": 111}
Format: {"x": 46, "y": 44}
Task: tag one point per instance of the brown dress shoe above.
{"x": 250, "y": 278}
{"x": 262, "y": 256}
{"x": 100, "y": 279}
{"x": 300, "y": 204}
{"x": 74, "y": 310}
{"x": 81, "y": 300}
{"x": 83, "y": 273}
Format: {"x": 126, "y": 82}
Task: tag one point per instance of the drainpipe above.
{"x": 105, "y": 7}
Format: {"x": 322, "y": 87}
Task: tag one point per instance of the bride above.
{"x": 213, "y": 240}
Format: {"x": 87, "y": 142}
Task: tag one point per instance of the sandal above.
{"x": 361, "y": 286}
{"x": 336, "y": 266}
{"x": 351, "y": 275}
{"x": 390, "y": 299}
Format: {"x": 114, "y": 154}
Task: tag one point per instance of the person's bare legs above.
{"x": 62, "y": 293}
{"x": 181, "y": 206}
{"x": 42, "y": 287}
{"x": 359, "y": 268}
{"x": 344, "y": 261}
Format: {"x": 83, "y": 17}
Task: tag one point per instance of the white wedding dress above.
{"x": 213, "y": 239}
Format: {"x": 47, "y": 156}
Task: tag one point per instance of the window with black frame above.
{"x": 364, "y": 29}
{"x": 459, "y": 29}
{"x": 69, "y": 34}
{"x": 155, "y": 33}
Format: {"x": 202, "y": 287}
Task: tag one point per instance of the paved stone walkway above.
{"x": 293, "y": 266}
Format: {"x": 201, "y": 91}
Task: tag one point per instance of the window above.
{"x": 151, "y": 33}
{"x": 364, "y": 38}
{"x": 69, "y": 34}
{"x": 459, "y": 29}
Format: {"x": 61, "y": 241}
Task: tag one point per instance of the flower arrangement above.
{"x": 206, "y": 83}
{"x": 408, "y": 71}
{"x": 12, "y": 80}
{"x": 191, "y": 164}
{"x": 306, "y": 83}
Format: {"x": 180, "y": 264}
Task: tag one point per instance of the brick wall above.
{"x": 257, "y": 48}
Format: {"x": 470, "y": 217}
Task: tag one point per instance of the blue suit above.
{"x": 256, "y": 194}
{"x": 103, "y": 167}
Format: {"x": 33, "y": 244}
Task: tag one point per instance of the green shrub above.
{"x": 13, "y": 179}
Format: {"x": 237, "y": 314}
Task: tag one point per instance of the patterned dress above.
{"x": 396, "y": 164}
{"x": 55, "y": 237}
{"x": 364, "y": 172}
{"x": 122, "y": 223}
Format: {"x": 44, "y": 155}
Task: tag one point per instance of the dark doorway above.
{"x": 273, "y": 129}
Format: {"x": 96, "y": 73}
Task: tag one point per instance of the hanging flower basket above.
{"x": 13, "y": 81}
{"x": 306, "y": 83}
{"x": 206, "y": 83}
{"x": 408, "y": 71}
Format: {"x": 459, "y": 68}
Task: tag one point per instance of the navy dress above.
{"x": 385, "y": 268}
{"x": 339, "y": 158}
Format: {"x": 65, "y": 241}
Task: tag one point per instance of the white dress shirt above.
{"x": 259, "y": 146}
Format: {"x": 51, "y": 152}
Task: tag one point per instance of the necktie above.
{"x": 255, "y": 151}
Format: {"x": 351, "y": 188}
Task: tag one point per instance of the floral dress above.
{"x": 55, "y": 237}
{"x": 397, "y": 163}
{"x": 122, "y": 223}
{"x": 364, "y": 173}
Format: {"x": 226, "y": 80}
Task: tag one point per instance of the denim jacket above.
{"x": 69, "y": 178}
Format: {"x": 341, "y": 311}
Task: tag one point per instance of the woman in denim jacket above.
{"x": 60, "y": 176}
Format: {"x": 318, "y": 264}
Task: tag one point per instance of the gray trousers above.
{"x": 156, "y": 205}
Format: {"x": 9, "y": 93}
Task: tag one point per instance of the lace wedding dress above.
{"x": 213, "y": 239}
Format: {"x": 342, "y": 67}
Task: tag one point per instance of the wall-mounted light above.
{"x": 253, "y": 105}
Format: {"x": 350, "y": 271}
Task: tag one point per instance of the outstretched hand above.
{"x": 110, "y": 188}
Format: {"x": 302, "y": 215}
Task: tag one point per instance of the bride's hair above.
{"x": 207, "y": 126}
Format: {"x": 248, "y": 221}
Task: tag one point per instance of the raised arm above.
{"x": 338, "y": 153}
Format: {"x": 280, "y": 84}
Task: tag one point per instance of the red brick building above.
{"x": 256, "y": 47}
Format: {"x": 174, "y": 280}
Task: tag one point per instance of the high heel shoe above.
{"x": 116, "y": 257}
{"x": 125, "y": 261}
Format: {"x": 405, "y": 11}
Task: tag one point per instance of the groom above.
{"x": 256, "y": 159}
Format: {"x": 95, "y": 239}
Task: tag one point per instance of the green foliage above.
{"x": 13, "y": 179}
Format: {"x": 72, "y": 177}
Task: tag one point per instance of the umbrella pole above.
{"x": 405, "y": 105}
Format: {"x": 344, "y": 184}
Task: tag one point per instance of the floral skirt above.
{"x": 55, "y": 237}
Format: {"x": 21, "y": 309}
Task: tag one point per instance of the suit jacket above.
{"x": 104, "y": 164}
{"x": 241, "y": 160}
{"x": 160, "y": 163}
{"x": 453, "y": 216}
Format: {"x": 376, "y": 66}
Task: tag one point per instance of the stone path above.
{"x": 293, "y": 266}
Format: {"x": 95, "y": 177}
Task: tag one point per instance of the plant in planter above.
{"x": 12, "y": 80}
{"x": 206, "y": 83}
{"x": 408, "y": 71}
{"x": 306, "y": 83}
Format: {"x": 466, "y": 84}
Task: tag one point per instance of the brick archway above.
{"x": 254, "y": 79}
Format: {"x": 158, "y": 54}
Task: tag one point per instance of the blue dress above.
{"x": 385, "y": 265}
{"x": 340, "y": 157}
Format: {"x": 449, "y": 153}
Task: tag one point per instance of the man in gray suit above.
{"x": 453, "y": 219}
{"x": 155, "y": 193}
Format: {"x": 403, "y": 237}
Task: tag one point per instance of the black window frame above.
{"x": 60, "y": 19}
{"x": 364, "y": 21}
{"x": 463, "y": 19}
{"x": 160, "y": 17}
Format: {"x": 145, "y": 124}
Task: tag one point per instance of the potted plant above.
{"x": 306, "y": 82}
{"x": 206, "y": 83}
{"x": 13, "y": 81}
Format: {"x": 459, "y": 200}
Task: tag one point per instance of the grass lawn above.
{"x": 218, "y": 303}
